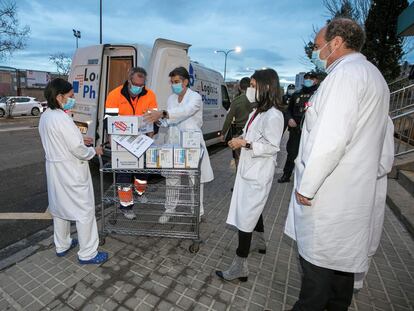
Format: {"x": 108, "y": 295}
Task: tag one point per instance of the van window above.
{"x": 225, "y": 97}
{"x": 22, "y": 99}
{"x": 118, "y": 71}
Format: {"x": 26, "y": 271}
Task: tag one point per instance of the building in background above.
{"x": 23, "y": 82}
{"x": 299, "y": 80}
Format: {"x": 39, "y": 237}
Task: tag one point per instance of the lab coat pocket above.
{"x": 310, "y": 118}
{"x": 252, "y": 170}
{"x": 82, "y": 172}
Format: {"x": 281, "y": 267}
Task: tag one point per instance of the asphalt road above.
{"x": 23, "y": 179}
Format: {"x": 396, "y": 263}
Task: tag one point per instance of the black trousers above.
{"x": 324, "y": 289}
{"x": 245, "y": 238}
{"x": 292, "y": 148}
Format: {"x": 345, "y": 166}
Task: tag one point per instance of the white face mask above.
{"x": 251, "y": 94}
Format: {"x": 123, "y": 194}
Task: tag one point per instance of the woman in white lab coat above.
{"x": 69, "y": 182}
{"x": 259, "y": 147}
{"x": 185, "y": 112}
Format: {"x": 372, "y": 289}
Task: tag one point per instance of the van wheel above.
{"x": 2, "y": 113}
{"x": 35, "y": 111}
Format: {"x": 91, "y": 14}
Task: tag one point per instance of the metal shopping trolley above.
{"x": 177, "y": 188}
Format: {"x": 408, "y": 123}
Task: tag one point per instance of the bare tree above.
{"x": 62, "y": 62}
{"x": 355, "y": 9}
{"x": 12, "y": 37}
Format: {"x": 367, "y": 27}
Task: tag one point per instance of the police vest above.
{"x": 300, "y": 104}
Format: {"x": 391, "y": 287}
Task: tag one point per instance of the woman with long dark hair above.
{"x": 69, "y": 183}
{"x": 259, "y": 145}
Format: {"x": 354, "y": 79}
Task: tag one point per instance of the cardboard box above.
{"x": 166, "y": 156}
{"x": 174, "y": 136}
{"x": 151, "y": 157}
{"x": 191, "y": 139}
{"x": 126, "y": 160}
{"x": 117, "y": 147}
{"x": 123, "y": 125}
{"x": 192, "y": 157}
{"x": 144, "y": 126}
{"x": 179, "y": 157}
{"x": 136, "y": 144}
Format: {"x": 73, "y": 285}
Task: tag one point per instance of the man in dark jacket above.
{"x": 290, "y": 90}
{"x": 237, "y": 116}
{"x": 294, "y": 115}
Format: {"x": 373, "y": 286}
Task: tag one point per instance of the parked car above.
{"x": 44, "y": 105}
{"x": 24, "y": 105}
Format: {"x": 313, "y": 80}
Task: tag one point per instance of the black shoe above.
{"x": 283, "y": 179}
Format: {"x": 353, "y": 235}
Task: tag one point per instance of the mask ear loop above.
{"x": 332, "y": 51}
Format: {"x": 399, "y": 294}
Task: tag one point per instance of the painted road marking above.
{"x": 12, "y": 129}
{"x": 26, "y": 216}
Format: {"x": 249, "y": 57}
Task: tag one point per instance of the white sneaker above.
{"x": 164, "y": 218}
{"x": 128, "y": 213}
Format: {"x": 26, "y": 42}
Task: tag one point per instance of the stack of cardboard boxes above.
{"x": 131, "y": 149}
{"x": 182, "y": 152}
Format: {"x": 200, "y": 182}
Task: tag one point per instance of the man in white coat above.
{"x": 332, "y": 204}
{"x": 387, "y": 159}
{"x": 185, "y": 112}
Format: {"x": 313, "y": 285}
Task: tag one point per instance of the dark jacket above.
{"x": 238, "y": 113}
{"x": 296, "y": 107}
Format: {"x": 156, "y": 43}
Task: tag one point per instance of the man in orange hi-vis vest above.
{"x": 129, "y": 99}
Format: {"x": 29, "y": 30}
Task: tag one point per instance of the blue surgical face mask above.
{"x": 135, "y": 90}
{"x": 321, "y": 64}
{"x": 177, "y": 88}
{"x": 308, "y": 83}
{"x": 70, "y": 103}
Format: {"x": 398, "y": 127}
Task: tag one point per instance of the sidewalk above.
{"x": 146, "y": 273}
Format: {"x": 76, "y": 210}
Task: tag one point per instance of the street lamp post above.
{"x": 77, "y": 35}
{"x": 100, "y": 22}
{"x": 237, "y": 49}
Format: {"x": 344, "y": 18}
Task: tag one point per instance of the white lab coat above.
{"x": 256, "y": 169}
{"x": 69, "y": 183}
{"x": 188, "y": 115}
{"x": 337, "y": 166}
{"x": 387, "y": 159}
{"x": 377, "y": 220}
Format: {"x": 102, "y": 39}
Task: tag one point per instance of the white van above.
{"x": 97, "y": 70}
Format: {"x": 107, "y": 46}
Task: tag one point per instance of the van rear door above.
{"x": 166, "y": 55}
{"x": 117, "y": 60}
{"x": 95, "y": 72}
{"x": 85, "y": 76}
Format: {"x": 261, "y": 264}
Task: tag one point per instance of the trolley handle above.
{"x": 100, "y": 161}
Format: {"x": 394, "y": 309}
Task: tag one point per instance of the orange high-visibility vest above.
{"x": 119, "y": 102}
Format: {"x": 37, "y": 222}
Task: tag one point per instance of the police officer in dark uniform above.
{"x": 294, "y": 115}
{"x": 289, "y": 92}
{"x": 285, "y": 99}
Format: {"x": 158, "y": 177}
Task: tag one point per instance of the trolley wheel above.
{"x": 194, "y": 248}
{"x": 112, "y": 221}
{"x": 102, "y": 241}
